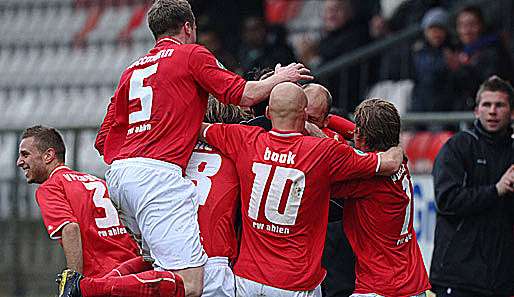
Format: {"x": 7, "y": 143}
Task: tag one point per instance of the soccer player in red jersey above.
{"x": 217, "y": 184}
{"x": 76, "y": 209}
{"x": 379, "y": 222}
{"x": 150, "y": 131}
{"x": 285, "y": 180}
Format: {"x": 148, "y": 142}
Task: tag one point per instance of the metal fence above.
{"x": 351, "y": 76}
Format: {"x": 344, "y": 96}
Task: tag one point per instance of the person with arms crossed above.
{"x": 217, "y": 185}
{"x": 379, "y": 220}
{"x": 150, "y": 130}
{"x": 285, "y": 180}
{"x": 474, "y": 192}
{"x": 76, "y": 209}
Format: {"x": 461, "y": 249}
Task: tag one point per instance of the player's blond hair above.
{"x": 218, "y": 112}
{"x": 378, "y": 123}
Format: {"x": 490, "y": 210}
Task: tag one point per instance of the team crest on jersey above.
{"x": 360, "y": 153}
{"x": 220, "y": 65}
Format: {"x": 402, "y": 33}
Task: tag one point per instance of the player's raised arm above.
{"x": 256, "y": 91}
{"x": 72, "y": 246}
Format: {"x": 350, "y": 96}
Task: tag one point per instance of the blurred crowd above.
{"x": 459, "y": 47}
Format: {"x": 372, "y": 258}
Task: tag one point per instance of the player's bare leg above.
{"x": 193, "y": 280}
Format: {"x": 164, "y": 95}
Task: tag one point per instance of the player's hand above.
{"x": 506, "y": 183}
{"x": 314, "y": 130}
{"x": 293, "y": 72}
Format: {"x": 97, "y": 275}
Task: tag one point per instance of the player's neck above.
{"x": 178, "y": 37}
{"x": 288, "y": 126}
{"x": 51, "y": 168}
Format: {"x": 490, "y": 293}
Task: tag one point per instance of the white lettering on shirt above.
{"x": 150, "y": 59}
{"x": 279, "y": 158}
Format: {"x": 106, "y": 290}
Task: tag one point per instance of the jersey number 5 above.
{"x": 145, "y": 94}
{"x": 278, "y": 183}
{"x": 111, "y": 215}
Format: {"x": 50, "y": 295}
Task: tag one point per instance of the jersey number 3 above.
{"x": 111, "y": 215}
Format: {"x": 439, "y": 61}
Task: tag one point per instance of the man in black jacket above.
{"x": 474, "y": 188}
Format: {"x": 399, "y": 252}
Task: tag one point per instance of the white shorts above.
{"x": 218, "y": 279}
{"x": 155, "y": 201}
{"x": 248, "y": 288}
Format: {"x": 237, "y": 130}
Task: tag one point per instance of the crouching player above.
{"x": 217, "y": 185}
{"x": 76, "y": 210}
{"x": 378, "y": 223}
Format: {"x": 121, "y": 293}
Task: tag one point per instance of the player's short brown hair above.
{"x": 379, "y": 124}
{"x": 45, "y": 138}
{"x": 166, "y": 17}
{"x": 496, "y": 84}
{"x": 218, "y": 112}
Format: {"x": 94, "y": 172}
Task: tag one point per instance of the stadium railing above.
{"x": 390, "y": 54}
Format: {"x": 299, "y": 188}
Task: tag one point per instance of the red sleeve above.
{"x": 341, "y": 126}
{"x": 230, "y": 139}
{"x": 348, "y": 163}
{"x": 55, "y": 209}
{"x": 214, "y": 78}
{"x": 105, "y": 127}
{"x": 349, "y": 189}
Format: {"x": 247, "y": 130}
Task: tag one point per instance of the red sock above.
{"x": 134, "y": 265}
{"x": 145, "y": 284}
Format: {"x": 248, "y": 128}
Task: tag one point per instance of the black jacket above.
{"x": 474, "y": 234}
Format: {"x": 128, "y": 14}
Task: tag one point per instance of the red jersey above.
{"x": 68, "y": 196}
{"x": 158, "y": 107}
{"x": 285, "y": 183}
{"x": 379, "y": 227}
{"x": 332, "y": 134}
{"x": 217, "y": 186}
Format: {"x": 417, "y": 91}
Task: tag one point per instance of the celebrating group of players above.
{"x": 178, "y": 185}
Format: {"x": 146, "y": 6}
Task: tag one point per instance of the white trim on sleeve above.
{"x": 378, "y": 162}
{"x": 57, "y": 230}
{"x": 204, "y": 134}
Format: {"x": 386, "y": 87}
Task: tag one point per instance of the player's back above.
{"x": 160, "y": 102}
{"x": 379, "y": 225}
{"x": 217, "y": 186}
{"x": 69, "y": 196}
{"x": 285, "y": 205}
{"x": 285, "y": 182}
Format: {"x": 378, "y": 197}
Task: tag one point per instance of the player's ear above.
{"x": 49, "y": 155}
{"x": 267, "y": 114}
{"x": 188, "y": 28}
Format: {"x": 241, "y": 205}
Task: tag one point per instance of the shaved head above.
{"x": 319, "y": 103}
{"x": 287, "y": 106}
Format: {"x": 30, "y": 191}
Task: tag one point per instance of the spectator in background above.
{"x": 432, "y": 86}
{"x": 343, "y": 33}
{"x": 212, "y": 41}
{"x": 480, "y": 55}
{"x": 473, "y": 181}
{"x": 260, "y": 48}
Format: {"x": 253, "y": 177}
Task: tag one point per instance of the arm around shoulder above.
{"x": 390, "y": 161}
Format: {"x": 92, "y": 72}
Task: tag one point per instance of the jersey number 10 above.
{"x": 276, "y": 189}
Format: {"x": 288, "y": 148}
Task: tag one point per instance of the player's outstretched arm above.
{"x": 72, "y": 245}
{"x": 390, "y": 161}
{"x": 256, "y": 91}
